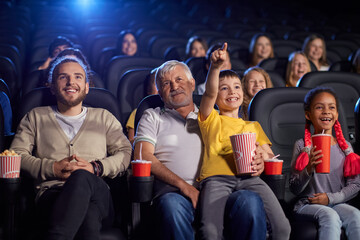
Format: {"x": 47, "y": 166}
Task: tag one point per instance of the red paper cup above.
{"x": 243, "y": 146}
{"x": 322, "y": 142}
{"x": 141, "y": 168}
{"x": 10, "y": 166}
{"x": 273, "y": 167}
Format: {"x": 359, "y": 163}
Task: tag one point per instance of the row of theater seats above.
{"x": 279, "y": 111}
{"x": 26, "y": 31}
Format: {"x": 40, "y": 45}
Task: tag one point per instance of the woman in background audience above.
{"x": 297, "y": 66}
{"x": 315, "y": 49}
{"x": 260, "y": 48}
{"x": 254, "y": 80}
{"x": 356, "y": 62}
{"x": 127, "y": 44}
{"x": 196, "y": 47}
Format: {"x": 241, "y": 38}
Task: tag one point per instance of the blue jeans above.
{"x": 332, "y": 218}
{"x": 175, "y": 215}
{"x": 244, "y": 216}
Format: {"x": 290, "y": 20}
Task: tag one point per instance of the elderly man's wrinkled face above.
{"x": 176, "y": 89}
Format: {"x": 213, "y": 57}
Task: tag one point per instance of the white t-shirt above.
{"x": 177, "y": 141}
{"x": 70, "y": 124}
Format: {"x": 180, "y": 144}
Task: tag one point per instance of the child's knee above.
{"x": 354, "y": 218}
{"x": 329, "y": 217}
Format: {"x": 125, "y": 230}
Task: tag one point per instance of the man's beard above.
{"x": 70, "y": 103}
{"x": 185, "y": 102}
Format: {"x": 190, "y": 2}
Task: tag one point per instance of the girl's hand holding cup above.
{"x": 313, "y": 159}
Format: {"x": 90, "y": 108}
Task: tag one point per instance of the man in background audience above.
{"x": 59, "y": 44}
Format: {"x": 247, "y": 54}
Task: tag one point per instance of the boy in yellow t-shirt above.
{"x": 218, "y": 177}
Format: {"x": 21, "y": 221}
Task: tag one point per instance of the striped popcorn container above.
{"x": 10, "y": 166}
{"x": 243, "y": 146}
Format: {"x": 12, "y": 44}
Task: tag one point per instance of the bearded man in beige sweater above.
{"x": 68, "y": 148}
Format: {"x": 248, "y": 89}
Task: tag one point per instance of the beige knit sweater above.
{"x": 40, "y": 141}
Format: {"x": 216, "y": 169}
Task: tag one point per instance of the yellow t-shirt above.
{"x": 218, "y": 154}
{"x": 131, "y": 120}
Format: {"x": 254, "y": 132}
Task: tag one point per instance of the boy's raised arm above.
{"x": 208, "y": 99}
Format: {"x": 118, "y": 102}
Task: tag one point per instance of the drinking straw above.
{"x": 140, "y": 151}
{"x": 276, "y": 156}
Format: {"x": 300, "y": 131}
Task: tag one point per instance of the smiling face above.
{"x": 129, "y": 45}
{"x": 230, "y": 95}
{"x": 69, "y": 84}
{"x": 175, "y": 88}
{"x": 263, "y": 48}
{"x": 197, "y": 49}
{"x": 323, "y": 112}
{"x": 315, "y": 49}
{"x": 299, "y": 66}
{"x": 255, "y": 82}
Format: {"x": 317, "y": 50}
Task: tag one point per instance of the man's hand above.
{"x": 258, "y": 161}
{"x": 219, "y": 56}
{"x": 60, "y": 167}
{"x": 79, "y": 164}
{"x": 319, "y": 198}
{"x": 64, "y": 167}
{"x": 191, "y": 192}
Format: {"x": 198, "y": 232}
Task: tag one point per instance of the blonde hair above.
{"x": 289, "y": 78}
{"x": 306, "y": 48}
{"x": 244, "y": 82}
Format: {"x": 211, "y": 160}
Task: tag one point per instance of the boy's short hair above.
{"x": 59, "y": 41}
{"x": 228, "y": 73}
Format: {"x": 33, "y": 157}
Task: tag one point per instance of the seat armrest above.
{"x": 276, "y": 183}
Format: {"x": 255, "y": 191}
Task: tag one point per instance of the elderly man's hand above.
{"x": 191, "y": 192}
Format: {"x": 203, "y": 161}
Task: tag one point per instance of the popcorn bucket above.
{"x": 243, "y": 146}
{"x": 10, "y": 166}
